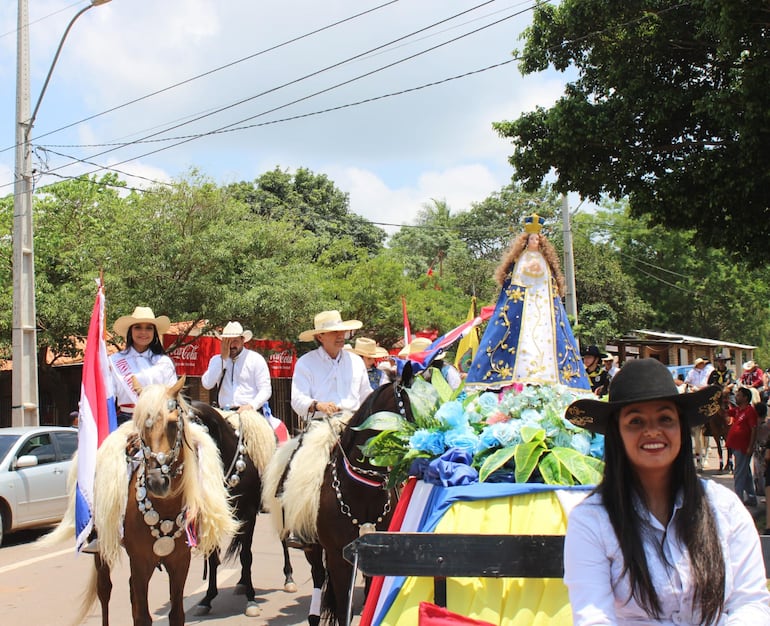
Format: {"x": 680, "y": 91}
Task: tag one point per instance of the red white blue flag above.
{"x": 97, "y": 417}
{"x": 424, "y": 358}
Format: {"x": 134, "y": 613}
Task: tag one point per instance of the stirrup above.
{"x": 92, "y": 547}
{"x": 293, "y": 541}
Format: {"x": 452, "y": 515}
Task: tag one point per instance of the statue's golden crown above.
{"x": 533, "y": 223}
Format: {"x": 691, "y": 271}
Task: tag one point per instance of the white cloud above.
{"x": 392, "y": 154}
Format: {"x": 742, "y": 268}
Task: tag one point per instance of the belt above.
{"x": 126, "y": 408}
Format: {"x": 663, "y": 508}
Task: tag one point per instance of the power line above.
{"x": 212, "y": 71}
{"x": 223, "y": 128}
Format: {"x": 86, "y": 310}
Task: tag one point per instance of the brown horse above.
{"x": 330, "y": 495}
{"x": 718, "y": 427}
{"x": 175, "y": 497}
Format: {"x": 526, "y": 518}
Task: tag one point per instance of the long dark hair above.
{"x": 695, "y": 525}
{"x": 156, "y": 346}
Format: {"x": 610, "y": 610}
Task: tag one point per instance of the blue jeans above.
{"x": 743, "y": 479}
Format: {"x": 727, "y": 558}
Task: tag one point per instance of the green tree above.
{"x": 670, "y": 109}
{"x": 313, "y": 202}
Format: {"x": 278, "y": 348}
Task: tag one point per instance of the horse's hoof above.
{"x": 290, "y": 587}
{"x": 252, "y": 609}
{"x": 239, "y": 590}
{"x": 201, "y": 609}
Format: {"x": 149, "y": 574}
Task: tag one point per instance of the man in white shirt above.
{"x": 242, "y": 374}
{"x": 329, "y": 379}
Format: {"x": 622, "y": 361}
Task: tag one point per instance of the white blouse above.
{"x": 593, "y": 563}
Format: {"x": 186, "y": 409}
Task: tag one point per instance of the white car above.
{"x": 34, "y": 464}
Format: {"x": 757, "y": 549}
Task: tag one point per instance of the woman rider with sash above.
{"x": 143, "y": 362}
{"x": 143, "y": 358}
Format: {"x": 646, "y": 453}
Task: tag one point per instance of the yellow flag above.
{"x": 468, "y": 345}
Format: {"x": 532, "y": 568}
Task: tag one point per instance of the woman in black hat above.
{"x": 654, "y": 543}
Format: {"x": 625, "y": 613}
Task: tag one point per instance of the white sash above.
{"x": 124, "y": 376}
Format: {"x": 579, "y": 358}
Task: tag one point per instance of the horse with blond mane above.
{"x": 156, "y": 504}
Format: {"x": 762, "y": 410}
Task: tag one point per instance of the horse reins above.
{"x": 360, "y": 475}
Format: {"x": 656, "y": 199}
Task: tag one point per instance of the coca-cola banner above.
{"x": 192, "y": 358}
{"x": 280, "y": 355}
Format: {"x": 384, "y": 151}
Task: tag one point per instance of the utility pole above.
{"x": 24, "y": 406}
{"x": 24, "y": 394}
{"x": 569, "y": 260}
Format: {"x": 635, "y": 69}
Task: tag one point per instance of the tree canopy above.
{"x": 195, "y": 250}
{"x": 670, "y": 109}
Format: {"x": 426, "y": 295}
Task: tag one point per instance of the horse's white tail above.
{"x": 66, "y": 528}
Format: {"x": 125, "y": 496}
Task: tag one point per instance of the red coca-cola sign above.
{"x": 192, "y": 357}
{"x": 280, "y": 355}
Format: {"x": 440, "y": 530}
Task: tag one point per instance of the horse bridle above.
{"x": 165, "y": 461}
{"x": 161, "y": 530}
{"x": 361, "y": 474}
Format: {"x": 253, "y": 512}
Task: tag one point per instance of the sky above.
{"x": 235, "y": 88}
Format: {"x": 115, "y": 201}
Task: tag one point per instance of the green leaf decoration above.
{"x": 424, "y": 400}
{"x": 382, "y": 420}
{"x": 526, "y": 457}
{"x": 554, "y": 472}
{"x": 495, "y": 461}
{"x": 532, "y": 433}
{"x": 586, "y": 469}
{"x": 441, "y": 385}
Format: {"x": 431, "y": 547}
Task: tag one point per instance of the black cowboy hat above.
{"x": 641, "y": 380}
{"x": 593, "y": 351}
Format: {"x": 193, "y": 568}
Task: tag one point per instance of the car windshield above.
{"x": 6, "y": 441}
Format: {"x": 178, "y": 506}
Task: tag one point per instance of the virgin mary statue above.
{"x": 528, "y": 338}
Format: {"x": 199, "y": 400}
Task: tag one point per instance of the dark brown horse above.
{"x": 174, "y": 497}
{"x": 718, "y": 426}
{"x": 246, "y": 442}
{"x": 353, "y": 498}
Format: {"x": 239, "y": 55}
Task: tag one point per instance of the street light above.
{"x": 24, "y": 333}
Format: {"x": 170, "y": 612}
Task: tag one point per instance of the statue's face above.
{"x": 533, "y": 242}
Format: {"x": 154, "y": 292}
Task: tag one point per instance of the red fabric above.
{"x": 432, "y": 615}
{"x": 745, "y": 419}
{"x": 395, "y": 524}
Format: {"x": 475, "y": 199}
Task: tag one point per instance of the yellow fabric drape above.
{"x": 502, "y": 601}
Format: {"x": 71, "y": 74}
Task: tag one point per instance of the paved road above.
{"x": 42, "y": 588}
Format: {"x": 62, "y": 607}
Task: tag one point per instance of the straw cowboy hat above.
{"x": 234, "y": 329}
{"x": 327, "y": 322}
{"x": 699, "y": 361}
{"x": 748, "y": 366}
{"x": 641, "y": 380}
{"x": 368, "y": 348}
{"x": 141, "y": 315}
{"x": 419, "y": 344}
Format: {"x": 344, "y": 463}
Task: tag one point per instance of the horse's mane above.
{"x": 258, "y": 436}
{"x": 301, "y": 493}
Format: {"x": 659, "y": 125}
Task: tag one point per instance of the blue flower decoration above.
{"x": 452, "y": 413}
{"x": 465, "y": 439}
{"x": 427, "y": 441}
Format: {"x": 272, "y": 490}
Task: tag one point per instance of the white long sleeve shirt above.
{"x": 593, "y": 564}
{"x": 317, "y": 376}
{"x": 245, "y": 382}
{"x": 148, "y": 367}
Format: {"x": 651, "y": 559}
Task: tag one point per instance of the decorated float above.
{"x": 496, "y": 456}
